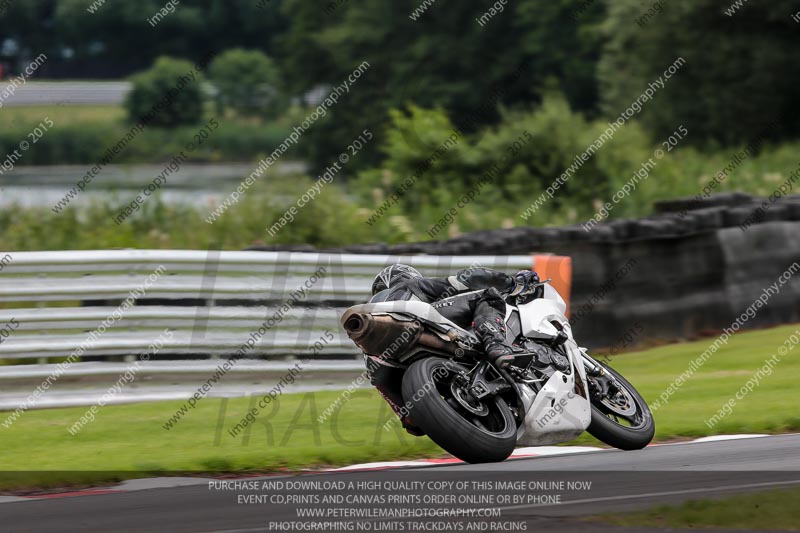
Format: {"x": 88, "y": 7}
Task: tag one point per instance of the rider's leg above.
{"x": 490, "y": 326}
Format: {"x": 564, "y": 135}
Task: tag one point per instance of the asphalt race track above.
{"x": 620, "y": 481}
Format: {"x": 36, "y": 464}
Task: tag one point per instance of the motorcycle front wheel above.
{"x": 475, "y": 431}
{"x": 620, "y": 416}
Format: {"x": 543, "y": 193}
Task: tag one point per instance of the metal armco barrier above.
{"x": 211, "y": 301}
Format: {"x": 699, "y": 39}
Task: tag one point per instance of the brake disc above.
{"x": 622, "y": 404}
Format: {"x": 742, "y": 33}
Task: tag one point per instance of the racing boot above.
{"x": 492, "y": 335}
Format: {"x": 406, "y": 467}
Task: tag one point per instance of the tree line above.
{"x": 740, "y": 72}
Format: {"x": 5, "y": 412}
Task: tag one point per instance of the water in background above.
{"x": 193, "y": 184}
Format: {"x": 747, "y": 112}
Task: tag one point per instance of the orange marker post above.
{"x": 559, "y": 269}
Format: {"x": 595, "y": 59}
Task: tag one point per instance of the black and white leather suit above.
{"x": 470, "y": 298}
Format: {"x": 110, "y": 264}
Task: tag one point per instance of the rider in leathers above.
{"x": 472, "y": 297}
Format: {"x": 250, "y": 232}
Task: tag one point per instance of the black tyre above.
{"x": 623, "y": 420}
{"x": 484, "y": 433}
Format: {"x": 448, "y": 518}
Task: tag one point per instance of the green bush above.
{"x": 170, "y": 94}
{"x": 522, "y": 155}
{"x": 87, "y": 142}
{"x": 335, "y": 218}
{"x": 247, "y": 82}
{"x": 421, "y": 143}
{"x": 329, "y": 218}
{"x": 533, "y": 148}
{"x": 63, "y": 144}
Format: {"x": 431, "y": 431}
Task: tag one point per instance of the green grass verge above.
{"x": 83, "y": 134}
{"x": 130, "y": 440}
{"x": 770, "y": 510}
{"x": 31, "y": 115}
{"x": 770, "y": 408}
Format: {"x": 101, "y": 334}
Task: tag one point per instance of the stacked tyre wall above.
{"x": 691, "y": 269}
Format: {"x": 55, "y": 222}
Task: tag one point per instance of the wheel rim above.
{"x": 486, "y": 417}
{"x": 621, "y": 403}
{"x": 466, "y": 400}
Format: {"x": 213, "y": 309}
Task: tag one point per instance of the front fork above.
{"x": 593, "y": 368}
{"x": 603, "y": 381}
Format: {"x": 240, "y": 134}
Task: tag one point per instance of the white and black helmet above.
{"x": 391, "y": 275}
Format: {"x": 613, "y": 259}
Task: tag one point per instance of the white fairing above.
{"x": 536, "y": 316}
{"x": 561, "y": 410}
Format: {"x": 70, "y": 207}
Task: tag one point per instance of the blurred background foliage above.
{"x": 170, "y": 93}
{"x": 553, "y": 71}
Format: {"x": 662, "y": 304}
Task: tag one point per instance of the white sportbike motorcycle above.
{"x": 551, "y": 393}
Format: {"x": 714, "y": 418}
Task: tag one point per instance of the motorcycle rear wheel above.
{"x": 472, "y": 437}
